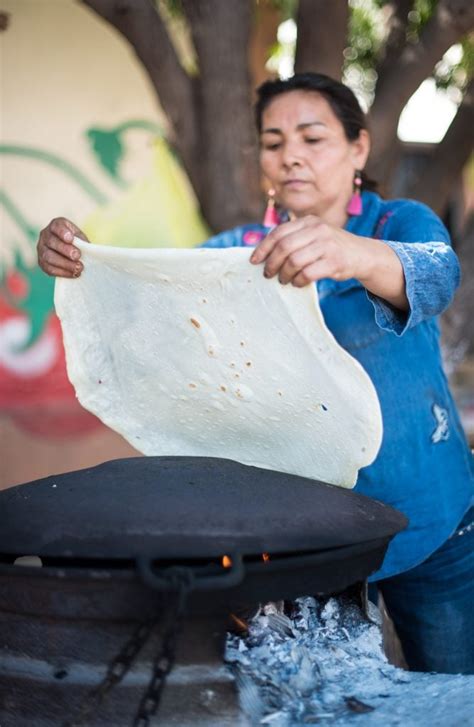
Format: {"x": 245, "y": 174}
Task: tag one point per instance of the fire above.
{"x": 227, "y": 561}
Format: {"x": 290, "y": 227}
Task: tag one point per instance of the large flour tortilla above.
{"x": 195, "y": 353}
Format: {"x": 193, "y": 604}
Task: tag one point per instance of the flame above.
{"x": 226, "y": 561}
{"x": 265, "y": 557}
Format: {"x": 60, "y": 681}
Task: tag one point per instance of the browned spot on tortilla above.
{"x": 249, "y": 363}
{"x": 237, "y": 376}
{"x": 242, "y": 343}
{"x": 195, "y": 322}
{"x": 192, "y": 386}
{"x": 280, "y": 393}
{"x": 223, "y": 388}
{"x": 204, "y": 300}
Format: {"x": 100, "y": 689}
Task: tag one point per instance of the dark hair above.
{"x": 341, "y": 99}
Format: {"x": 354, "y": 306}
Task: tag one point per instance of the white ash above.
{"x": 325, "y": 665}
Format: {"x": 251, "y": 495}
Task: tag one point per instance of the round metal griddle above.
{"x": 176, "y": 507}
{"x": 141, "y": 517}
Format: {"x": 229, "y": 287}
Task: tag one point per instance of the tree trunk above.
{"x": 396, "y": 37}
{"x": 434, "y": 183}
{"x": 322, "y": 35}
{"x": 227, "y": 147}
{"x": 140, "y": 23}
{"x": 450, "y": 21}
{"x": 211, "y": 115}
{"x": 266, "y": 20}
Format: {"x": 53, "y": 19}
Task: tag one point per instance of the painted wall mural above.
{"x": 158, "y": 210}
{"x": 82, "y": 137}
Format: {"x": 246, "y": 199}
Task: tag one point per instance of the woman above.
{"x": 384, "y": 270}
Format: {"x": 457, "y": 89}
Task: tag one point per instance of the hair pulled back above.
{"x": 341, "y": 99}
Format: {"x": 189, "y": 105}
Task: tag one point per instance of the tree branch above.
{"x": 436, "y": 179}
{"x": 140, "y": 23}
{"x": 322, "y": 36}
{"x": 450, "y": 21}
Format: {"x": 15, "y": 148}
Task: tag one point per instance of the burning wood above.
{"x": 240, "y": 625}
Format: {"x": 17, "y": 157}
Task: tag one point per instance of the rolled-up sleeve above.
{"x": 430, "y": 266}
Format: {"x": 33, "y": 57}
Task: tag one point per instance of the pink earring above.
{"x": 355, "y": 203}
{"x": 271, "y": 218}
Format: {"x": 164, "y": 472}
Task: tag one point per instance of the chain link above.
{"x": 116, "y": 671}
{"x": 181, "y": 582}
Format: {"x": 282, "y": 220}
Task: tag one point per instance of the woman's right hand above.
{"x": 56, "y": 253}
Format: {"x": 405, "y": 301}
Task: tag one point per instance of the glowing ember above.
{"x": 265, "y": 557}
{"x": 226, "y": 561}
{"x": 239, "y": 622}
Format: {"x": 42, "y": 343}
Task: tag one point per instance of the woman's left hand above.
{"x": 307, "y": 249}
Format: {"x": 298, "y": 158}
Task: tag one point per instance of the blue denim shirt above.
{"x": 424, "y": 467}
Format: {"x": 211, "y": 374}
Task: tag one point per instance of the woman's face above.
{"x": 306, "y": 157}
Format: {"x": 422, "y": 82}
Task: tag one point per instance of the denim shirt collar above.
{"x": 366, "y": 223}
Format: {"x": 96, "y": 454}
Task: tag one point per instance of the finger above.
{"x": 51, "y": 259}
{"x": 66, "y": 230}
{"x": 285, "y": 247}
{"x": 58, "y": 237}
{"x": 263, "y": 250}
{"x": 67, "y": 250}
{"x": 298, "y": 260}
{"x": 312, "y": 273}
{"x": 61, "y": 273}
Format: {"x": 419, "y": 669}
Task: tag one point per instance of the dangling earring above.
{"x": 271, "y": 217}
{"x": 355, "y": 203}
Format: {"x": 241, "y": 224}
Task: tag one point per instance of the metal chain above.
{"x": 116, "y": 671}
{"x": 181, "y": 581}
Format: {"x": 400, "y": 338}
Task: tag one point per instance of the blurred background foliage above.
{"x": 368, "y": 29}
